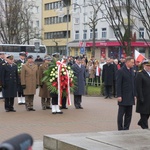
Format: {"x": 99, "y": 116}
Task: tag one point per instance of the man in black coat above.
{"x": 79, "y": 72}
{"x": 126, "y": 94}
{"x": 143, "y": 95}
{"x": 108, "y": 77}
{"x": 9, "y": 83}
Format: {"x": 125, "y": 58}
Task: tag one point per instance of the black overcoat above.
{"x": 108, "y": 74}
{"x": 9, "y": 80}
{"x": 143, "y": 92}
{"x": 125, "y": 80}
{"x": 81, "y": 79}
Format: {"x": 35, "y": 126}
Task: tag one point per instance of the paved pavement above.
{"x": 99, "y": 114}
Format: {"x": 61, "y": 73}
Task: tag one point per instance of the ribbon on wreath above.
{"x": 61, "y": 82}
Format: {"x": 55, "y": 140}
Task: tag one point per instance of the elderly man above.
{"x": 29, "y": 81}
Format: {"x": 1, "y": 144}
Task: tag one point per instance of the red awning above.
{"x": 116, "y": 43}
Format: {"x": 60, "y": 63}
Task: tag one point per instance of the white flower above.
{"x": 54, "y": 74}
{"x": 62, "y": 69}
{"x": 50, "y": 80}
{"x": 64, "y": 73}
{"x": 69, "y": 68}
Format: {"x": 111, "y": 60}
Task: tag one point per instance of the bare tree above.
{"x": 93, "y": 19}
{"x": 141, "y": 10}
{"x": 118, "y": 14}
{"x": 16, "y": 22}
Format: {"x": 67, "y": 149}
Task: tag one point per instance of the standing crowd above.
{"x": 124, "y": 79}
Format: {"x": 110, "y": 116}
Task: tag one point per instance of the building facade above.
{"x": 66, "y": 29}
{"x": 57, "y": 26}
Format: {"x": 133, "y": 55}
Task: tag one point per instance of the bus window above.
{"x": 42, "y": 49}
{"x": 16, "y": 49}
{"x": 22, "y": 48}
{"x": 30, "y": 49}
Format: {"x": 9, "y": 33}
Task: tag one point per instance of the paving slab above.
{"x": 112, "y": 140}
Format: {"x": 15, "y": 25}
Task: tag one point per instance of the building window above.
{"x": 141, "y": 33}
{"x": 84, "y": 34}
{"x": 37, "y": 24}
{"x": 76, "y": 35}
{"x": 116, "y": 33}
{"x": 77, "y": 20}
{"x": 104, "y": 33}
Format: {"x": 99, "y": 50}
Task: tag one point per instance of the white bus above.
{"x": 15, "y": 49}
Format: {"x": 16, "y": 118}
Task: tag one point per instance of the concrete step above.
{"x": 37, "y": 145}
{"x": 114, "y": 140}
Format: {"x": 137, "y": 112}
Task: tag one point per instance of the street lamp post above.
{"x": 67, "y": 36}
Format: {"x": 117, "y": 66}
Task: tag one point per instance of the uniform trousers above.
{"x": 77, "y": 100}
{"x": 9, "y": 103}
{"x": 20, "y": 94}
{"x": 143, "y": 122}
{"x": 124, "y": 117}
{"x": 29, "y": 101}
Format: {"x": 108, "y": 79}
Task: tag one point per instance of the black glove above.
{"x": 37, "y": 86}
{"x": 0, "y": 88}
{"x": 24, "y": 86}
{"x": 41, "y": 86}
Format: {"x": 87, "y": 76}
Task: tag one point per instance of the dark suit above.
{"x": 143, "y": 97}
{"x": 80, "y": 87}
{"x": 9, "y": 78}
{"x": 125, "y": 90}
{"x": 108, "y": 78}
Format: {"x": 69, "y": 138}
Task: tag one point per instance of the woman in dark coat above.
{"x": 79, "y": 72}
{"x": 143, "y": 95}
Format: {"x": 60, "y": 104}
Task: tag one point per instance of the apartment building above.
{"x": 56, "y": 25}
{"x": 66, "y": 30}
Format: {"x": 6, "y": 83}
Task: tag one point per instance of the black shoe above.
{"x": 28, "y": 109}
{"x": 110, "y": 97}
{"x": 53, "y": 112}
{"x": 48, "y": 107}
{"x": 63, "y": 108}
{"x": 13, "y": 110}
{"x": 80, "y": 107}
{"x": 106, "y": 97}
{"x": 32, "y": 109}
{"x": 59, "y": 112}
{"x": 139, "y": 122}
{"x": 7, "y": 110}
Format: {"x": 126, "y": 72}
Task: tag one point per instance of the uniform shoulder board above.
{"x": 140, "y": 71}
